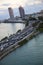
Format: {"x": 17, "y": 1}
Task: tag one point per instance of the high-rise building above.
{"x": 11, "y": 13}
{"x": 21, "y": 11}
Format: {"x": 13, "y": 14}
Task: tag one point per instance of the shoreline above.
{"x": 8, "y": 51}
{"x": 13, "y": 47}
{"x": 22, "y": 41}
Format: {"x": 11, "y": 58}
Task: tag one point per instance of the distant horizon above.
{"x": 30, "y": 6}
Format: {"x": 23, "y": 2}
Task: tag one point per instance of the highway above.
{"x": 15, "y": 38}
{"x": 12, "y": 42}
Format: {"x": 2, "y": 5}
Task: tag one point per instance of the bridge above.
{"x": 14, "y": 21}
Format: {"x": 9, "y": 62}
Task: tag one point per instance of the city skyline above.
{"x": 29, "y": 6}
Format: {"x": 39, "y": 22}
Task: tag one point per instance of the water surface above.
{"x": 29, "y": 54}
{"x": 9, "y": 28}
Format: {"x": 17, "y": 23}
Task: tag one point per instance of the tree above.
{"x": 40, "y": 18}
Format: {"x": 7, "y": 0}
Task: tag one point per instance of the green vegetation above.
{"x": 40, "y": 28}
{"x": 40, "y": 18}
{"x": 22, "y": 42}
{"x": 32, "y": 18}
{"x": 35, "y": 24}
{"x": 18, "y": 31}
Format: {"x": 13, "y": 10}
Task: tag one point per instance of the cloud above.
{"x": 16, "y": 3}
{"x": 30, "y": 6}
{"x": 40, "y": 0}
{"x": 1, "y": 12}
{"x": 7, "y": 4}
{"x": 33, "y": 2}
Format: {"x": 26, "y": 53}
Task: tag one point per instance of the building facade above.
{"x": 21, "y": 11}
{"x": 11, "y": 13}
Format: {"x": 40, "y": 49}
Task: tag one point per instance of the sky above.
{"x": 29, "y": 6}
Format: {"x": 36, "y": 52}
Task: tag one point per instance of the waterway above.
{"x": 30, "y": 53}
{"x": 7, "y": 29}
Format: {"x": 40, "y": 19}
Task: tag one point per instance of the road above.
{"x": 15, "y": 38}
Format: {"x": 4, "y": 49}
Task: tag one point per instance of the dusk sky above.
{"x": 30, "y": 6}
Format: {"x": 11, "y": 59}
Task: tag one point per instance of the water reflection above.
{"x": 9, "y": 28}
